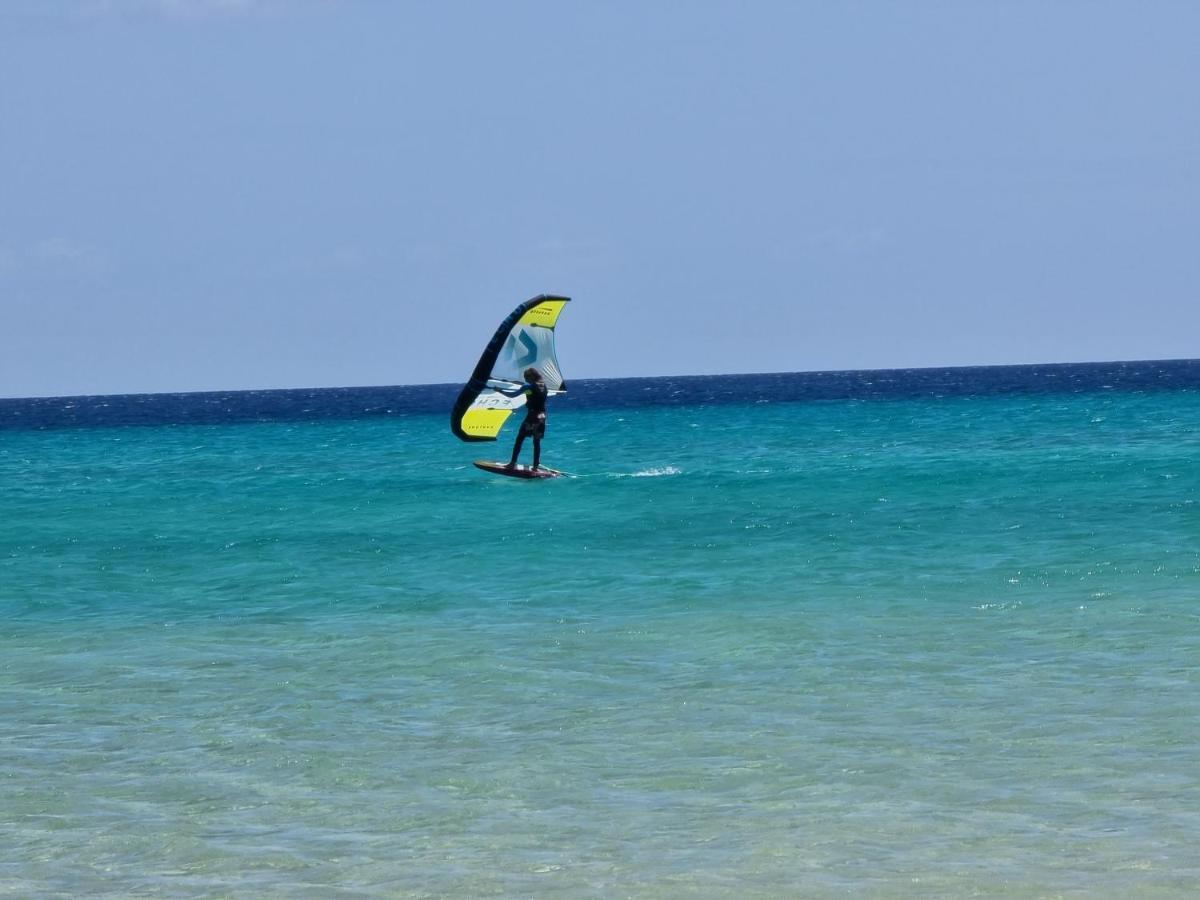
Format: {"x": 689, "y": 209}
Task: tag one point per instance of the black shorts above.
{"x": 534, "y": 426}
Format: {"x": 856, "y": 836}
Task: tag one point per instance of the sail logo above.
{"x": 521, "y": 348}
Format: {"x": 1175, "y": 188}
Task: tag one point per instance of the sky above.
{"x": 247, "y": 194}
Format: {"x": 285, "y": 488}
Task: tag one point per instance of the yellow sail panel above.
{"x": 544, "y": 314}
{"x": 484, "y": 423}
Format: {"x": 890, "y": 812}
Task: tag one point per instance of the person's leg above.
{"x": 517, "y": 447}
{"x": 537, "y": 450}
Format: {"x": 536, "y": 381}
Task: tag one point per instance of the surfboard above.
{"x": 500, "y": 468}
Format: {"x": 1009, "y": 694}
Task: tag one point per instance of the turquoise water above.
{"x": 923, "y": 647}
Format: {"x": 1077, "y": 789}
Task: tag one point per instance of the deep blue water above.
{"x": 310, "y": 404}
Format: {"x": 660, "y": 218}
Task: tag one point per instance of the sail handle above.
{"x": 492, "y": 382}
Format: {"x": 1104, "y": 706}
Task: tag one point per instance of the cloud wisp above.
{"x": 54, "y": 254}
{"x": 84, "y": 11}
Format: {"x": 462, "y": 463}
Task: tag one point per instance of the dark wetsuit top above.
{"x": 535, "y": 408}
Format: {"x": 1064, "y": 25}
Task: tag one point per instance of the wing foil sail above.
{"x": 524, "y": 339}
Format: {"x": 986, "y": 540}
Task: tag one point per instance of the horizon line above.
{"x": 358, "y": 387}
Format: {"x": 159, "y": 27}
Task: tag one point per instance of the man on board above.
{"x": 534, "y": 425}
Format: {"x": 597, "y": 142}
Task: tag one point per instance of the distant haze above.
{"x": 221, "y": 194}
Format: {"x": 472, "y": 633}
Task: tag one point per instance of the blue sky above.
{"x": 218, "y": 194}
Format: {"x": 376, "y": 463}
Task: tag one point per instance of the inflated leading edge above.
{"x": 524, "y": 339}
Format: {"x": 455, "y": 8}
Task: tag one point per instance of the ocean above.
{"x": 928, "y": 633}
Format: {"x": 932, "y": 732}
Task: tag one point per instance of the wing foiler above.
{"x": 524, "y": 339}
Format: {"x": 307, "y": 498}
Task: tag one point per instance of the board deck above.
{"x": 501, "y": 468}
